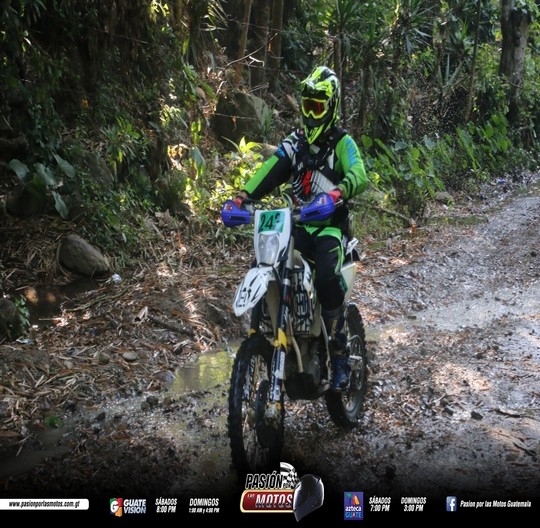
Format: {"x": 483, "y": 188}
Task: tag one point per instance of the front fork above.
{"x": 273, "y": 410}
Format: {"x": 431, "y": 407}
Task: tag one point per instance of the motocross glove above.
{"x": 239, "y": 200}
{"x": 336, "y": 194}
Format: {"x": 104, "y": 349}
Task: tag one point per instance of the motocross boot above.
{"x": 339, "y": 355}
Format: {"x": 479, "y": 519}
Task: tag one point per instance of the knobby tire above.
{"x": 248, "y": 455}
{"x": 345, "y": 408}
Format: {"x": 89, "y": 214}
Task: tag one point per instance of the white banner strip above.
{"x": 44, "y": 504}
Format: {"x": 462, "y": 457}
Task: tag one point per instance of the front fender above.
{"x": 251, "y": 289}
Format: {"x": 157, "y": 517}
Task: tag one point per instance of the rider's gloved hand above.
{"x": 336, "y": 194}
{"x": 239, "y": 200}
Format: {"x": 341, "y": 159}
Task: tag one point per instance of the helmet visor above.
{"x": 314, "y": 107}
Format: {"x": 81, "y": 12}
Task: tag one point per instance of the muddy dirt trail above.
{"x": 452, "y": 315}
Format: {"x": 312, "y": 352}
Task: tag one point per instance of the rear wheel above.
{"x": 346, "y": 407}
{"x": 255, "y": 434}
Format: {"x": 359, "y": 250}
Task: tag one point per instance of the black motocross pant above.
{"x": 324, "y": 252}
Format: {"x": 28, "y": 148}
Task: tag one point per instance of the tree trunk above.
{"x": 470, "y": 95}
{"x": 230, "y": 38}
{"x": 261, "y": 22}
{"x": 338, "y": 68}
{"x": 243, "y": 43}
{"x": 274, "y": 55}
{"x": 515, "y": 25}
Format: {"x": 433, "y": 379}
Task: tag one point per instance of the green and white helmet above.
{"x": 321, "y": 99}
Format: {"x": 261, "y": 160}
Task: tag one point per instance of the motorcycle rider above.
{"x": 319, "y": 157}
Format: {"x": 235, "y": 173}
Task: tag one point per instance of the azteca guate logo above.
{"x": 282, "y": 492}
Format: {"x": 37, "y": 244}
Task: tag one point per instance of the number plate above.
{"x": 271, "y": 221}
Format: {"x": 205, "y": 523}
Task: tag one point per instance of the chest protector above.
{"x": 313, "y": 169}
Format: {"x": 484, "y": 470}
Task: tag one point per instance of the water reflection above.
{"x": 209, "y": 370}
{"x": 44, "y": 301}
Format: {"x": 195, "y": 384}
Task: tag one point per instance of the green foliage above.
{"x": 170, "y": 188}
{"x": 529, "y": 97}
{"x": 304, "y": 39}
{"x": 373, "y": 221}
{"x": 53, "y": 422}
{"x": 243, "y": 162}
{"x": 16, "y": 326}
{"x": 266, "y": 124}
{"x": 472, "y": 154}
{"x": 405, "y": 173}
{"x": 123, "y": 231}
{"x": 43, "y": 180}
{"x": 24, "y": 312}
{"x": 203, "y": 18}
{"x": 407, "y": 72}
{"x": 412, "y": 25}
{"x": 125, "y": 145}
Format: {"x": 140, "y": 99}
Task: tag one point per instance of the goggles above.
{"x": 314, "y": 107}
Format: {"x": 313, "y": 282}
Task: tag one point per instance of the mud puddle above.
{"x": 208, "y": 370}
{"x": 197, "y": 390}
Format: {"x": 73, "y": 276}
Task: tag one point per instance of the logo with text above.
{"x": 353, "y": 505}
{"x": 270, "y": 492}
{"x": 119, "y": 507}
{"x": 282, "y": 492}
{"x": 451, "y": 503}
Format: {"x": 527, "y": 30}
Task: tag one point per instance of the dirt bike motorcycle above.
{"x": 286, "y": 354}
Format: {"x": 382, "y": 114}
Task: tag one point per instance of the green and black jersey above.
{"x": 312, "y": 169}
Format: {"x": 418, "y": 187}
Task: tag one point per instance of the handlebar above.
{"x": 321, "y": 208}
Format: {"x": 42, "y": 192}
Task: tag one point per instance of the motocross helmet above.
{"x": 308, "y": 495}
{"x": 321, "y": 98}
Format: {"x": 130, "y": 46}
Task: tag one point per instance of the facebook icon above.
{"x": 451, "y": 504}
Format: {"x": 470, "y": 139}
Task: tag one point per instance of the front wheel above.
{"x": 255, "y": 428}
{"x": 345, "y": 407}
